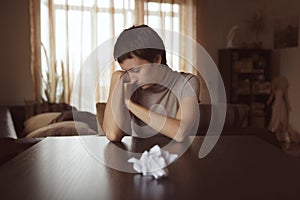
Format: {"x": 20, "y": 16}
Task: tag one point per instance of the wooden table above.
{"x": 239, "y": 167}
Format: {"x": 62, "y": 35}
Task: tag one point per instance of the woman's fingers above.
{"x": 128, "y": 91}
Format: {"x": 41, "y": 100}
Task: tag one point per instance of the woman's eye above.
{"x": 136, "y": 70}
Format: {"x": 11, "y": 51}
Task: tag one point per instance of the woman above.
{"x": 147, "y": 97}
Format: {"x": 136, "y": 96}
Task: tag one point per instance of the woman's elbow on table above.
{"x": 113, "y": 136}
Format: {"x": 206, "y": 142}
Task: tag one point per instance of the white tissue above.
{"x": 153, "y": 162}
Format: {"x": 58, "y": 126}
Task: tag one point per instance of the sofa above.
{"x": 23, "y": 126}
{"x": 10, "y": 146}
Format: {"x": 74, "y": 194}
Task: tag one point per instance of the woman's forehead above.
{"x": 131, "y": 63}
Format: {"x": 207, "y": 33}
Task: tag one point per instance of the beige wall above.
{"x": 222, "y": 15}
{"x": 15, "y": 85}
{"x": 215, "y": 18}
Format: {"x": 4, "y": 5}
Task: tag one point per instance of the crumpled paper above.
{"x": 153, "y": 162}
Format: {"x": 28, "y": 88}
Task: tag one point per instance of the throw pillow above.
{"x": 32, "y": 108}
{"x": 67, "y": 128}
{"x": 81, "y": 116}
{"x": 38, "y": 121}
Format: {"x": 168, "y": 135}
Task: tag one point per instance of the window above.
{"x": 169, "y": 19}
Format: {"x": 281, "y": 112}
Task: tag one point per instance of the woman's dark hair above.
{"x": 141, "y": 41}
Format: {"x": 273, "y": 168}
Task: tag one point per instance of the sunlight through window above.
{"x": 81, "y": 26}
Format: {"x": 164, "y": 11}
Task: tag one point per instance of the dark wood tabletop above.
{"x": 238, "y": 167}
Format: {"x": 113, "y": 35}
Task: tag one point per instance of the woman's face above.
{"x": 141, "y": 72}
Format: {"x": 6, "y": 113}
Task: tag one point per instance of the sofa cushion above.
{"x": 80, "y": 116}
{"x": 67, "y": 128}
{"x": 32, "y": 109}
{"x": 38, "y": 121}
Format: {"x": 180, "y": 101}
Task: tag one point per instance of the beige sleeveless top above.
{"x": 164, "y": 98}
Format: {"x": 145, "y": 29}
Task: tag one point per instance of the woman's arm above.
{"x": 116, "y": 122}
{"x": 175, "y": 128}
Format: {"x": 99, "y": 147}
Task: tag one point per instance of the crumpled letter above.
{"x": 153, "y": 162}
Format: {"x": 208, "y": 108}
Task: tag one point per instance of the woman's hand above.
{"x": 116, "y": 121}
{"x": 129, "y": 89}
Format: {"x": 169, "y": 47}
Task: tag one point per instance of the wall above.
{"x": 16, "y": 84}
{"x": 215, "y": 18}
{"x": 221, "y": 16}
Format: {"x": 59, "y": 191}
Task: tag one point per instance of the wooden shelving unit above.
{"x": 247, "y": 78}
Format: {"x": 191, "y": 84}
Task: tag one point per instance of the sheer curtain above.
{"x": 73, "y": 30}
